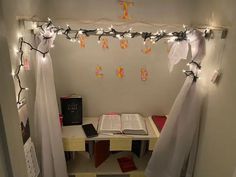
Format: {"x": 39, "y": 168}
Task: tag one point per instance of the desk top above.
{"x": 76, "y": 131}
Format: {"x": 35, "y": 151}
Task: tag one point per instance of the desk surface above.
{"x": 76, "y": 131}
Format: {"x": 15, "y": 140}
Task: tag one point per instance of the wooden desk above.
{"x": 74, "y": 140}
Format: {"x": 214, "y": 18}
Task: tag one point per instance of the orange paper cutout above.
{"x": 99, "y": 73}
{"x": 147, "y": 47}
{"x": 104, "y": 43}
{"x": 125, "y": 7}
{"x": 26, "y": 64}
{"x": 82, "y": 41}
{"x": 144, "y": 74}
{"x": 123, "y": 43}
{"x": 120, "y": 72}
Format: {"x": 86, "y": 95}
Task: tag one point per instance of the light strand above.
{"x": 73, "y": 35}
{"x": 16, "y": 73}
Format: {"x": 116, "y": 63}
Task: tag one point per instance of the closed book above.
{"x": 139, "y": 147}
{"x": 101, "y": 151}
{"x": 72, "y": 110}
{"x": 159, "y": 121}
{"x": 126, "y": 164}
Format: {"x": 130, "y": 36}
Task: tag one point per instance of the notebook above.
{"x": 89, "y": 130}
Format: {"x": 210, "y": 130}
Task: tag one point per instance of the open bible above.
{"x": 125, "y": 123}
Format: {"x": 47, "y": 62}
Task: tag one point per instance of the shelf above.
{"x": 74, "y": 137}
{"x": 82, "y": 164}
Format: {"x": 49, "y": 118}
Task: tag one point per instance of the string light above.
{"x": 16, "y": 73}
{"x": 19, "y": 35}
{"x": 72, "y": 35}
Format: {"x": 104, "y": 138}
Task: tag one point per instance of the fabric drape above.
{"x": 177, "y": 145}
{"x": 47, "y": 128}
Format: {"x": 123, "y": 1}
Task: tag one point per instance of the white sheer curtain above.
{"x": 47, "y": 128}
{"x": 178, "y": 141}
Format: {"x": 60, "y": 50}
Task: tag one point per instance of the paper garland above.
{"x": 120, "y": 72}
{"x": 81, "y": 41}
{"x": 99, "y": 72}
{"x": 123, "y": 43}
{"x": 144, "y": 74}
{"x": 26, "y": 63}
{"x": 125, "y": 7}
{"x": 104, "y": 43}
{"x": 147, "y": 47}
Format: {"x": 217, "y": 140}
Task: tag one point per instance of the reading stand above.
{"x": 74, "y": 139}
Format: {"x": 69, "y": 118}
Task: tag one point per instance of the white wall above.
{"x": 10, "y": 129}
{"x": 74, "y": 68}
{"x": 9, "y": 11}
{"x": 216, "y": 156}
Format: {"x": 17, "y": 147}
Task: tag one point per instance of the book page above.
{"x": 110, "y": 123}
{"x": 133, "y": 122}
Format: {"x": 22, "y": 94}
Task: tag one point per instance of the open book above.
{"x": 124, "y": 123}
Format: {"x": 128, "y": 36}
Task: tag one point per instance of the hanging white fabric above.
{"x": 179, "y": 50}
{"x": 47, "y": 127}
{"x": 178, "y": 140}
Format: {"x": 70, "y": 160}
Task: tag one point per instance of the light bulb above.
{"x": 99, "y": 41}
{"x": 118, "y": 36}
{"x": 80, "y": 32}
{"x": 52, "y": 46}
{"x": 110, "y": 27}
{"x": 59, "y": 32}
{"x": 15, "y": 50}
{"x": 34, "y": 25}
{"x": 49, "y": 19}
{"x": 43, "y": 58}
{"x": 13, "y": 73}
{"x": 184, "y": 71}
{"x": 144, "y": 42}
{"x": 26, "y": 88}
{"x": 184, "y": 26}
{"x": 19, "y": 35}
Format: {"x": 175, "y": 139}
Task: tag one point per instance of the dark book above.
{"x": 101, "y": 152}
{"x": 72, "y": 110}
{"x": 139, "y": 147}
{"x": 159, "y": 121}
{"x": 89, "y": 130}
{"x": 24, "y": 122}
{"x": 126, "y": 164}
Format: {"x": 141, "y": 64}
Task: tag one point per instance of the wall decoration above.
{"x": 147, "y": 47}
{"x": 104, "y": 43}
{"x": 144, "y": 73}
{"x": 30, "y": 155}
{"x": 81, "y": 41}
{"x": 24, "y": 122}
{"x": 26, "y": 63}
{"x": 73, "y": 36}
{"x": 123, "y": 43}
{"x": 120, "y": 72}
{"x": 125, "y": 7}
{"x": 99, "y": 72}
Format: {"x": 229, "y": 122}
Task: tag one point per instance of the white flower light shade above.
{"x": 179, "y": 50}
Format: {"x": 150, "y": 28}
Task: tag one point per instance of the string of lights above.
{"x": 16, "y": 73}
{"x": 73, "y": 36}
